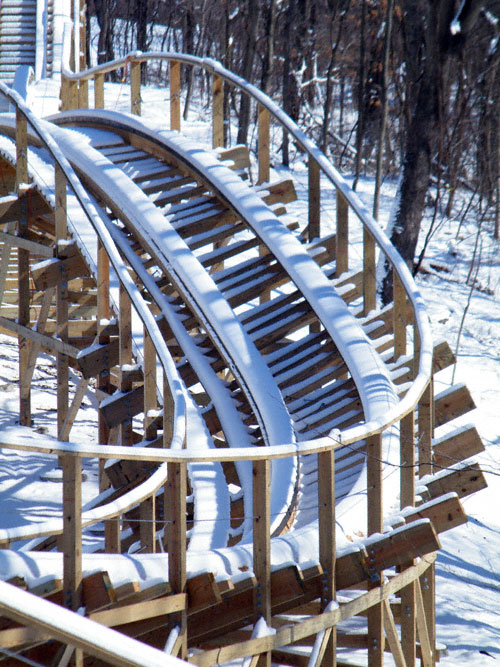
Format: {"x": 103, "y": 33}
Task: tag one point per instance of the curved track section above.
{"x": 221, "y": 342}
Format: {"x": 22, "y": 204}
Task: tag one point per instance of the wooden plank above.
{"x": 387, "y": 551}
{"x": 140, "y": 611}
{"x": 425, "y": 430}
{"x": 202, "y": 591}
{"x": 314, "y": 201}
{"x": 457, "y": 446}
{"x": 407, "y": 475}
{"x": 392, "y": 636}
{"x": 327, "y": 644}
{"x": 175, "y": 95}
{"x": 294, "y": 632}
{"x": 463, "y": 482}
{"x": 135, "y": 87}
{"x": 263, "y": 148}
{"x": 342, "y": 235}
{"x": 124, "y": 406}
{"x": 443, "y": 356}
{"x": 400, "y": 306}
{"x": 217, "y": 111}
{"x": 262, "y": 537}
{"x": 72, "y": 531}
{"x": 278, "y": 192}
{"x": 369, "y": 273}
{"x": 452, "y": 403}
{"x": 375, "y": 525}
{"x": 33, "y": 246}
{"x": 99, "y": 358}
{"x": 50, "y": 273}
{"x": 423, "y": 634}
{"x": 99, "y": 90}
{"x": 445, "y": 513}
{"x": 175, "y": 514}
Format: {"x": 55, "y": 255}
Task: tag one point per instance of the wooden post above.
{"x": 135, "y": 87}
{"x": 217, "y": 112}
{"x": 264, "y": 165}
{"x": 407, "y": 493}
{"x": 327, "y": 549}
{"x": 175, "y": 95}
{"x": 175, "y": 514}
{"x": 103, "y": 314}
{"x": 125, "y": 321}
{"x": 425, "y": 435}
{"x": 150, "y": 401}
{"x": 83, "y": 94}
{"x": 72, "y": 531}
{"x": 342, "y": 237}
{"x": 376, "y": 637}
{"x": 61, "y": 303}
{"x": 72, "y": 94}
{"x": 369, "y": 273}
{"x": 262, "y": 543}
{"x": 314, "y": 218}
{"x": 399, "y": 317}
{"x": 23, "y": 284}
{"x": 99, "y": 91}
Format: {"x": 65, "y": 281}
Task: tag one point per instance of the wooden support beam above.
{"x": 445, "y": 512}
{"x": 175, "y": 95}
{"x": 125, "y": 406}
{"x": 51, "y": 273}
{"x": 327, "y": 648}
{"x": 263, "y": 148}
{"x": 369, "y": 273}
{"x": 314, "y": 201}
{"x": 99, "y": 358}
{"x": 425, "y": 430}
{"x": 217, "y": 112}
{"x": 392, "y": 636}
{"x": 61, "y": 302}
{"x": 375, "y": 525}
{"x": 262, "y": 537}
{"x": 278, "y": 192}
{"x": 135, "y": 87}
{"x": 342, "y": 235}
{"x": 400, "y": 306}
{"x": 460, "y": 444}
{"x": 125, "y": 348}
{"x": 452, "y": 403}
{"x": 39, "y": 338}
{"x": 99, "y": 90}
{"x": 23, "y": 265}
{"x": 72, "y": 531}
{"x": 175, "y": 515}
{"x": 463, "y": 481}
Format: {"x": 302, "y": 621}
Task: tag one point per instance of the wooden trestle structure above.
{"x": 83, "y": 310}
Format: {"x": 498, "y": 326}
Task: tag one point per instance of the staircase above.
{"x": 17, "y": 36}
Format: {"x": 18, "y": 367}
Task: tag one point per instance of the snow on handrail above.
{"x": 175, "y": 384}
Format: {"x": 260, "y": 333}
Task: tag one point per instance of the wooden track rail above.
{"x": 185, "y": 299}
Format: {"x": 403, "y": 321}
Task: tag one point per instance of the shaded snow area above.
{"x": 461, "y": 286}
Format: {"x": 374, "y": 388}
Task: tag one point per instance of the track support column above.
{"x": 262, "y": 544}
{"x": 327, "y": 548}
{"x": 376, "y": 637}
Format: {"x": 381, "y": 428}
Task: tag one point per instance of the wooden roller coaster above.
{"x": 272, "y": 487}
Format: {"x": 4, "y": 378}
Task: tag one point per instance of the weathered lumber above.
{"x": 460, "y": 444}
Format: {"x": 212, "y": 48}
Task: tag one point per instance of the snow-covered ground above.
{"x": 468, "y": 566}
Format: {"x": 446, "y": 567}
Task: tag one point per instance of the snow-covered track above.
{"x": 292, "y": 386}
